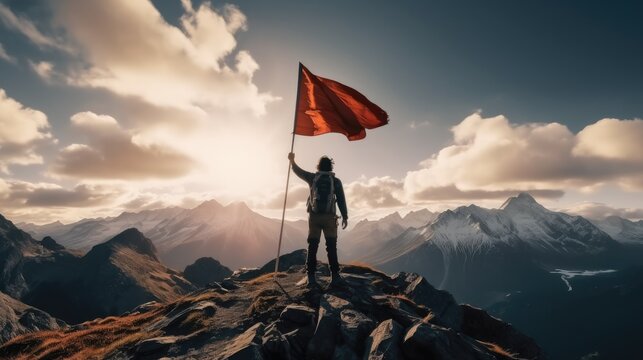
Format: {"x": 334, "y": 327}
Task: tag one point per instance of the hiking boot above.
{"x": 309, "y": 281}
{"x": 336, "y": 281}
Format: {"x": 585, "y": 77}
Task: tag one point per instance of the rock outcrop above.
{"x": 206, "y": 270}
{"x": 17, "y": 318}
{"x": 374, "y": 317}
{"x": 49, "y": 243}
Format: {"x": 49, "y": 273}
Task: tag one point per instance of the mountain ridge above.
{"x": 111, "y": 278}
{"x": 233, "y": 232}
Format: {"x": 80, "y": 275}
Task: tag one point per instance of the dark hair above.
{"x": 325, "y": 164}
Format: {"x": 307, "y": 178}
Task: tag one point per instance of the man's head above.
{"x": 325, "y": 164}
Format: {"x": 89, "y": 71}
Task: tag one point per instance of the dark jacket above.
{"x": 339, "y": 190}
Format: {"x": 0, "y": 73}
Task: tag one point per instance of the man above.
{"x": 326, "y": 191}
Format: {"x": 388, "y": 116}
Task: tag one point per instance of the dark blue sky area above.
{"x": 572, "y": 62}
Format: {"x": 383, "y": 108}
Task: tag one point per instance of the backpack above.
{"x": 322, "y": 193}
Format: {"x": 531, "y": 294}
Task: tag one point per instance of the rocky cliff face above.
{"x": 17, "y": 318}
{"x": 374, "y": 317}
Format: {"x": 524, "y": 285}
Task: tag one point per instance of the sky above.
{"x": 121, "y": 105}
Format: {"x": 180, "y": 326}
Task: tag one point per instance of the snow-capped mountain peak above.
{"x": 522, "y": 202}
{"x": 520, "y": 221}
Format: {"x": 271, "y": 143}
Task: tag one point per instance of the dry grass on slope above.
{"x": 101, "y": 337}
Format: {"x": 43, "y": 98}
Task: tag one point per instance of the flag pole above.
{"x": 283, "y": 211}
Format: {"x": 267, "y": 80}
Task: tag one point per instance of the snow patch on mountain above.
{"x": 622, "y": 230}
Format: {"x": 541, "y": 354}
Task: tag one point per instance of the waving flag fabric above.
{"x": 325, "y": 106}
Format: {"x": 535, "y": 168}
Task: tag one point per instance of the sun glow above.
{"x": 236, "y": 161}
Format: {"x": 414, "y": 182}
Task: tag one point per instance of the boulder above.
{"x": 322, "y": 345}
{"x": 49, "y": 243}
{"x": 355, "y": 328}
{"x": 298, "y": 314}
{"x": 206, "y": 270}
{"x": 244, "y": 274}
{"x": 446, "y": 311}
{"x": 297, "y": 257}
{"x": 404, "y": 311}
{"x": 298, "y": 340}
{"x": 383, "y": 342}
{"x": 175, "y": 322}
{"x": 275, "y": 345}
{"x": 484, "y": 327}
{"x": 155, "y": 345}
{"x": 246, "y": 346}
{"x": 297, "y": 323}
{"x": 345, "y": 353}
{"x": 429, "y": 341}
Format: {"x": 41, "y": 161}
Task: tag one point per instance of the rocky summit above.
{"x": 374, "y": 316}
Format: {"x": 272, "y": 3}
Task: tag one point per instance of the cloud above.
{"x": 612, "y": 139}
{"x": 148, "y": 117}
{"x": 297, "y": 196}
{"x": 44, "y": 69}
{"x": 22, "y": 131}
{"x": 113, "y": 153}
{"x": 131, "y": 50}
{"x": 5, "y": 56}
{"x": 21, "y": 194}
{"x": 144, "y": 202}
{"x": 418, "y": 124}
{"x": 28, "y": 29}
{"x": 377, "y": 192}
{"x": 451, "y": 192}
{"x": 491, "y": 157}
{"x": 600, "y": 211}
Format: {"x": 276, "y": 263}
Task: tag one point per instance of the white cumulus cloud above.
{"x": 22, "y": 131}
{"x": 111, "y": 152}
{"x": 493, "y": 155}
{"x": 132, "y": 51}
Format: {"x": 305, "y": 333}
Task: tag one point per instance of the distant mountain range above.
{"x": 241, "y": 237}
{"x": 480, "y": 254}
{"x": 622, "y": 230}
{"x": 509, "y": 261}
{"x": 369, "y": 234}
{"x": 235, "y": 234}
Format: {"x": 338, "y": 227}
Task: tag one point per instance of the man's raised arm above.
{"x": 303, "y": 174}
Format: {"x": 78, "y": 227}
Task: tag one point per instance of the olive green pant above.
{"x": 318, "y": 223}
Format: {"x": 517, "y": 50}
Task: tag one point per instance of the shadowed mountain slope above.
{"x": 111, "y": 278}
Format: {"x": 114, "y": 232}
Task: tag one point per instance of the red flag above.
{"x": 325, "y": 106}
